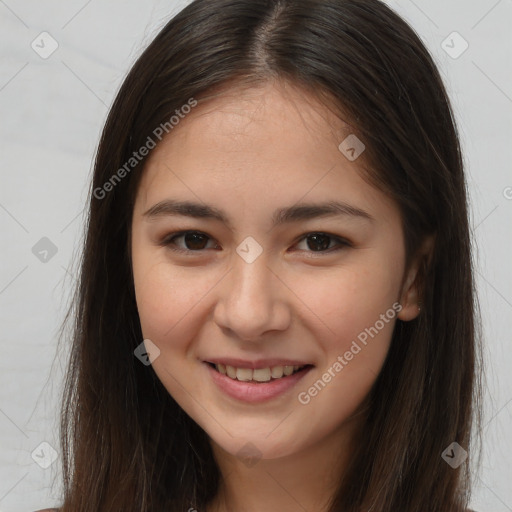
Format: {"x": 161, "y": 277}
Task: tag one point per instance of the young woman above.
{"x": 276, "y": 305}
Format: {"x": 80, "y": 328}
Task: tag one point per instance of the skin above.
{"x": 249, "y": 152}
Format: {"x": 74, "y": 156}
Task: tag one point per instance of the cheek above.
{"x": 165, "y": 295}
{"x": 357, "y": 308}
{"x": 169, "y": 301}
{"x": 348, "y": 301}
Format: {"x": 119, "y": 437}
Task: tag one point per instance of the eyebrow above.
{"x": 297, "y": 212}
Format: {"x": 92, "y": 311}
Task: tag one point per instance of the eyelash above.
{"x": 169, "y": 242}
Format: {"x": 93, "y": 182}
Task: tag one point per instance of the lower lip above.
{"x": 255, "y": 392}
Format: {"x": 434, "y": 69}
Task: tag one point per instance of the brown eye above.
{"x": 192, "y": 241}
{"x": 321, "y": 242}
{"x": 318, "y": 242}
{"x": 195, "y": 241}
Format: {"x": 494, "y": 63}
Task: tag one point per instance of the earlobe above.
{"x": 410, "y": 303}
{"x": 413, "y": 287}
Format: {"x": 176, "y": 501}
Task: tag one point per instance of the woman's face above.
{"x": 265, "y": 281}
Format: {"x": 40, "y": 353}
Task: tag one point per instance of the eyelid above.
{"x": 167, "y": 241}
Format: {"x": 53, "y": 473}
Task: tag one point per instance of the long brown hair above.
{"x": 126, "y": 444}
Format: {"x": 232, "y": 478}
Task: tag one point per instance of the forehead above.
{"x": 271, "y": 119}
{"x": 269, "y": 108}
{"x": 274, "y": 141}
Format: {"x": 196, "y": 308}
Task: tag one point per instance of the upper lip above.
{"x": 259, "y": 363}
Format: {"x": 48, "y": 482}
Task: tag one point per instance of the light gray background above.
{"x": 51, "y": 114}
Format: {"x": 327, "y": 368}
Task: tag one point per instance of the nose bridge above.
{"x": 251, "y": 282}
{"x": 250, "y": 301}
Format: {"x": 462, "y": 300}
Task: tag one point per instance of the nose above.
{"x": 252, "y": 300}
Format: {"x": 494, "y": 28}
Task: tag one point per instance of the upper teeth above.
{"x": 259, "y": 374}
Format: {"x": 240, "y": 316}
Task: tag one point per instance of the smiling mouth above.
{"x": 258, "y": 375}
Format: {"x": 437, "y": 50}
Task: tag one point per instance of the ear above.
{"x": 412, "y": 288}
